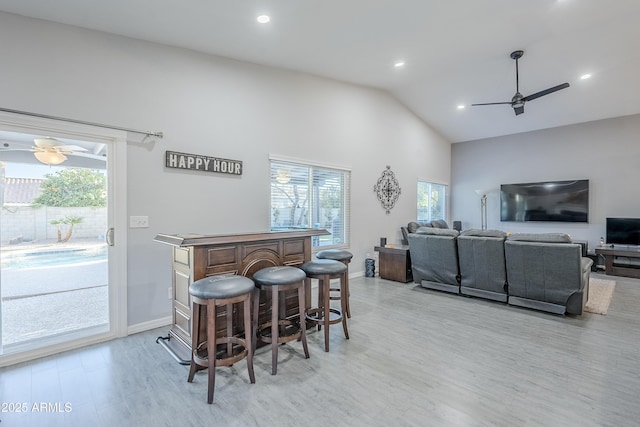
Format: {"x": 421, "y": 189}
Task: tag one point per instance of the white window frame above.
{"x": 444, "y": 204}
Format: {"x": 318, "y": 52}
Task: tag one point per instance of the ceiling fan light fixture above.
{"x": 283, "y": 176}
{"x": 50, "y": 157}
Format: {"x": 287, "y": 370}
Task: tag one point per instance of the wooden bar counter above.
{"x": 195, "y": 256}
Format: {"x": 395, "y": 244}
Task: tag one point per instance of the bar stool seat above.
{"x": 280, "y": 279}
{"x": 213, "y": 292}
{"x": 344, "y": 257}
{"x": 324, "y": 270}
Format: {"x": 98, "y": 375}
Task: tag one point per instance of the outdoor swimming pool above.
{"x": 52, "y": 257}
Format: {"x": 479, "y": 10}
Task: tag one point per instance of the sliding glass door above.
{"x": 56, "y": 282}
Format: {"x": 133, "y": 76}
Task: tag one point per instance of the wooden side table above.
{"x": 395, "y": 263}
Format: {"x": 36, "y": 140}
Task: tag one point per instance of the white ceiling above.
{"x": 456, "y": 51}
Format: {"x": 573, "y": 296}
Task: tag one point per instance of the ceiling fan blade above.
{"x": 492, "y": 103}
{"x": 545, "y": 92}
{"x": 87, "y": 155}
{"x": 519, "y": 110}
{"x": 2, "y": 149}
{"x": 47, "y": 142}
{"x": 71, "y": 148}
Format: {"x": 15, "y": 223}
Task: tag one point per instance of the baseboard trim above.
{"x": 146, "y": 326}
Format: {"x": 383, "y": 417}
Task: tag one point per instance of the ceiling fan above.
{"x": 50, "y": 151}
{"x": 518, "y": 101}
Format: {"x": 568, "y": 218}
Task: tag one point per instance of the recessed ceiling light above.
{"x": 585, "y": 76}
{"x": 460, "y": 107}
{"x": 263, "y": 19}
{"x": 399, "y": 64}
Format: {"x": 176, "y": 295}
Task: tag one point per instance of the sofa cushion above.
{"x": 437, "y": 231}
{"x": 413, "y": 226}
{"x": 483, "y": 233}
{"x": 541, "y": 237}
{"x": 439, "y": 223}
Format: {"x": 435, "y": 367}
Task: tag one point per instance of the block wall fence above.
{"x": 34, "y": 224}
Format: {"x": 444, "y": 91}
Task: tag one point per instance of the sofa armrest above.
{"x": 585, "y": 264}
{"x": 405, "y": 235}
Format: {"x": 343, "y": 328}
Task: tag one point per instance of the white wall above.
{"x": 217, "y": 107}
{"x": 606, "y": 152}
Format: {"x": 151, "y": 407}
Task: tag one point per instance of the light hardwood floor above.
{"x": 415, "y": 358}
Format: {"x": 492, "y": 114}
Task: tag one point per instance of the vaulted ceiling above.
{"x": 455, "y": 52}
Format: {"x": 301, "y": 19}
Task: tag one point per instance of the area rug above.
{"x": 600, "y": 294}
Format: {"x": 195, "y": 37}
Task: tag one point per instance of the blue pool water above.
{"x": 50, "y": 258}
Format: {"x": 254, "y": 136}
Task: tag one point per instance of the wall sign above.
{"x": 387, "y": 189}
{"x": 202, "y": 163}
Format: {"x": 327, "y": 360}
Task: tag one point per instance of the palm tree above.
{"x": 71, "y": 220}
{"x": 57, "y": 222}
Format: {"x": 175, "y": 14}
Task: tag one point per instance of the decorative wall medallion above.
{"x": 387, "y": 189}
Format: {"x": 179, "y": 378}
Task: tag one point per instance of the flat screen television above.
{"x": 557, "y": 201}
{"x": 623, "y": 231}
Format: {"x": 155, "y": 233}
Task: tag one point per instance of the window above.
{"x": 309, "y": 196}
{"x": 432, "y": 201}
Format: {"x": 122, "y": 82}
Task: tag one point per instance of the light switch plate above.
{"x": 138, "y": 222}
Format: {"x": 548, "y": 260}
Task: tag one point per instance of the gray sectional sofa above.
{"x": 540, "y": 271}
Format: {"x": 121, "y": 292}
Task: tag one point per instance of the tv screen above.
{"x": 623, "y": 231}
{"x": 559, "y": 201}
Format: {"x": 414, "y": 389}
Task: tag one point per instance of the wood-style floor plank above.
{"x": 416, "y": 357}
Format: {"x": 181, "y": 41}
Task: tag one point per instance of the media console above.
{"x": 621, "y": 260}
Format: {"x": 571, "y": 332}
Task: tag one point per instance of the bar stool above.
{"x": 213, "y": 292}
{"x": 345, "y": 258}
{"x": 324, "y": 270}
{"x": 279, "y": 279}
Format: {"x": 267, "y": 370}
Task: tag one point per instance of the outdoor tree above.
{"x": 73, "y": 188}
{"x": 68, "y": 220}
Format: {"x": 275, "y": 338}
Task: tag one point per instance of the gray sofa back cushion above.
{"x": 439, "y": 223}
{"x": 437, "y": 231}
{"x": 542, "y": 271}
{"x": 541, "y": 237}
{"x": 413, "y": 226}
{"x": 482, "y": 261}
{"x": 434, "y": 257}
{"x": 484, "y": 233}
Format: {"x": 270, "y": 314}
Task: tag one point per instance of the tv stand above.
{"x": 621, "y": 261}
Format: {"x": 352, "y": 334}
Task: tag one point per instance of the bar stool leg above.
{"x": 248, "y": 337}
{"x": 303, "y": 323}
{"x": 195, "y": 322}
{"x": 325, "y": 284}
{"x": 229, "y": 318}
{"x": 348, "y": 293}
{"x": 274, "y": 329}
{"x": 256, "y": 310}
{"x": 344, "y": 300}
{"x": 320, "y": 314}
{"x": 211, "y": 347}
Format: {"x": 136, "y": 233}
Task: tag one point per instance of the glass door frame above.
{"x": 116, "y": 141}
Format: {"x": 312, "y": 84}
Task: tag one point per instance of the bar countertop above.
{"x": 193, "y": 239}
